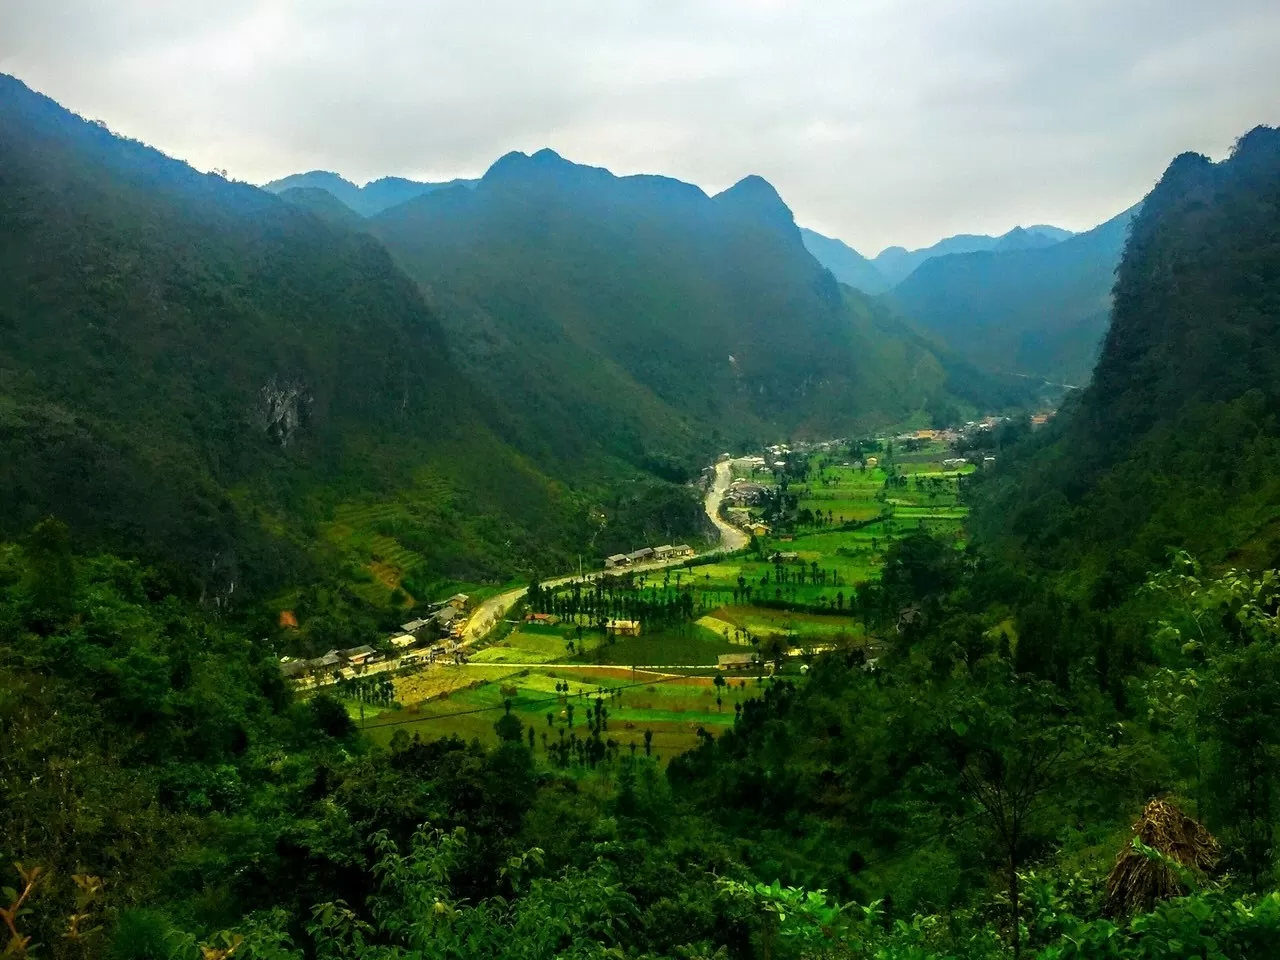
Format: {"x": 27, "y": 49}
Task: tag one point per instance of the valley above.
{"x": 538, "y": 561}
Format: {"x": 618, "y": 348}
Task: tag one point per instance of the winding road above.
{"x": 496, "y": 607}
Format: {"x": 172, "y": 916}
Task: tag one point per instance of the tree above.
{"x": 1016, "y": 746}
{"x": 508, "y": 726}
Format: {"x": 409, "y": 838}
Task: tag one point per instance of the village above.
{"x": 423, "y": 640}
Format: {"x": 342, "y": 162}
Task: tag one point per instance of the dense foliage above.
{"x": 1174, "y": 443}
{"x": 194, "y": 371}
{"x": 639, "y": 315}
{"x": 197, "y": 372}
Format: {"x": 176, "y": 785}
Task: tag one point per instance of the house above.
{"x": 663, "y": 552}
{"x": 871, "y": 463}
{"x": 404, "y": 642}
{"x": 357, "y": 655}
{"x": 757, "y": 529}
{"x": 624, "y": 628}
{"x": 638, "y": 556}
{"x": 329, "y": 661}
{"x": 446, "y": 617}
{"x": 545, "y": 619}
{"x": 617, "y": 560}
{"x": 459, "y": 600}
{"x": 413, "y": 626}
{"x": 292, "y": 668}
{"x": 736, "y": 661}
{"x": 682, "y": 550}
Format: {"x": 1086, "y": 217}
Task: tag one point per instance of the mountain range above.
{"x": 468, "y": 384}
{"x": 374, "y": 197}
{"x": 1037, "y": 310}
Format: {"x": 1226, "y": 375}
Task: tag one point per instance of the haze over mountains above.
{"x": 374, "y": 197}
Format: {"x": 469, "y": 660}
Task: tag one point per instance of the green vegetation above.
{"x": 201, "y": 374}
{"x": 1052, "y": 738}
{"x": 637, "y": 317}
{"x": 1174, "y": 443}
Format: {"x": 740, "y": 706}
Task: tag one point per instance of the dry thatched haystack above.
{"x": 1138, "y": 881}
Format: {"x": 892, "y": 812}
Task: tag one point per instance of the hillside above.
{"x": 374, "y": 197}
{"x": 895, "y": 264}
{"x": 845, "y": 263}
{"x": 1034, "y": 307}
{"x": 197, "y": 372}
{"x": 1175, "y": 442}
{"x": 640, "y": 314}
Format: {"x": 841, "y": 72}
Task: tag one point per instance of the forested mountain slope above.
{"x": 1039, "y": 309}
{"x": 1175, "y": 442}
{"x": 611, "y": 309}
{"x": 196, "y": 371}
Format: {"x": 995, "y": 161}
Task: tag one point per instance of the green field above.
{"x": 831, "y": 559}
{"x": 671, "y": 707}
{"x": 829, "y": 564}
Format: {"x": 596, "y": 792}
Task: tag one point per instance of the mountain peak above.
{"x": 755, "y": 195}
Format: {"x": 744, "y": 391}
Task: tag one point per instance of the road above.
{"x": 731, "y": 538}
{"x": 497, "y": 607}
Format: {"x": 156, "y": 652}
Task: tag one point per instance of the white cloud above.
{"x": 879, "y": 121}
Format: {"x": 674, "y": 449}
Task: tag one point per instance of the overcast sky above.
{"x": 879, "y": 121}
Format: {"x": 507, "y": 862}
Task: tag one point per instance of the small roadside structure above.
{"x": 736, "y": 661}
{"x": 623, "y": 628}
{"x": 617, "y": 560}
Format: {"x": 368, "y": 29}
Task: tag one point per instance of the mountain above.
{"x": 372, "y": 198}
{"x": 324, "y": 205}
{"x": 640, "y": 314}
{"x": 1032, "y": 307}
{"x": 895, "y": 264}
{"x": 1175, "y": 443}
{"x": 197, "y": 372}
{"x": 845, "y": 263}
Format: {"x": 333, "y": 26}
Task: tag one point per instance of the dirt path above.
{"x": 731, "y": 538}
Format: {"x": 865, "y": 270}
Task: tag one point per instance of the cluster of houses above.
{"x": 442, "y": 628}
{"x": 648, "y": 555}
{"x": 744, "y": 493}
